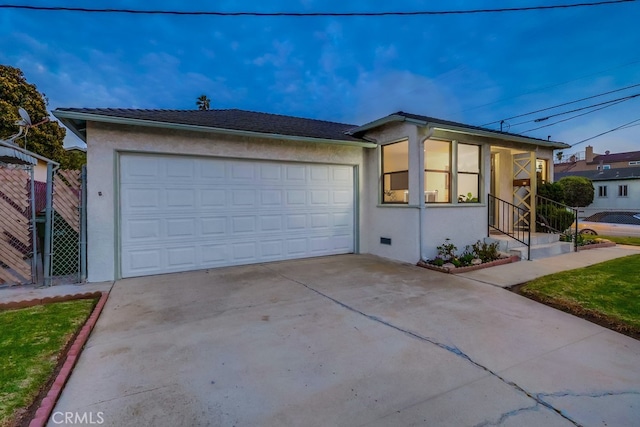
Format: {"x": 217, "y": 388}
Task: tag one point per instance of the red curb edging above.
{"x": 458, "y": 270}
{"x": 13, "y": 305}
{"x": 48, "y": 403}
{"x": 597, "y": 246}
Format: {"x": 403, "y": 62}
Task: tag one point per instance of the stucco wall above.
{"x": 463, "y": 225}
{"x": 614, "y": 202}
{"x": 105, "y": 140}
{"x": 396, "y": 222}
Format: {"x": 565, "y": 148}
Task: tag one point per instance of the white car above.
{"x": 614, "y": 223}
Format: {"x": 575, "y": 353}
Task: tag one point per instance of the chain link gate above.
{"x": 67, "y": 228}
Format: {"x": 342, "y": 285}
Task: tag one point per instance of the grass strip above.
{"x": 609, "y": 292}
{"x": 31, "y": 342}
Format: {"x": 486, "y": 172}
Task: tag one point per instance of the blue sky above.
{"x": 470, "y": 68}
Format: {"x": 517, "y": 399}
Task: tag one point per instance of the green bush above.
{"x": 577, "y": 191}
{"x": 558, "y": 218}
{"x": 487, "y": 252}
{"x": 552, "y": 191}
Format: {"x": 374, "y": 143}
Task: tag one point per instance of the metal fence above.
{"x": 67, "y": 229}
{"x": 42, "y": 226}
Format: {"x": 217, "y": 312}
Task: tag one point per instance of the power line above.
{"x": 574, "y": 117}
{"x": 311, "y": 14}
{"x": 551, "y": 86}
{"x": 541, "y": 119}
{"x": 562, "y": 105}
{"x": 606, "y": 132}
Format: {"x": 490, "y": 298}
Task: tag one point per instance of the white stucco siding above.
{"x": 105, "y": 141}
{"x": 462, "y": 225}
{"x": 613, "y": 201}
{"x": 396, "y": 222}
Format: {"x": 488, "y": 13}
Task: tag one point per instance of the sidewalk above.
{"x": 516, "y": 273}
{"x": 30, "y": 292}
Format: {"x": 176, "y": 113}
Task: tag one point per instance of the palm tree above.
{"x": 203, "y": 102}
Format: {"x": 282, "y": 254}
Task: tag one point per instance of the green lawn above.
{"x": 609, "y": 291}
{"x": 635, "y": 241}
{"x": 31, "y": 340}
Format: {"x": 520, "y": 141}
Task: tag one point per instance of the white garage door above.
{"x": 186, "y": 213}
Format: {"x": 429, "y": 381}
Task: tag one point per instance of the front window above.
{"x": 395, "y": 172}
{"x": 468, "y": 173}
{"x": 437, "y": 171}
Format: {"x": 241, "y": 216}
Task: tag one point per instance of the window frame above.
{"x": 383, "y": 174}
{"x": 478, "y": 174}
{"x": 623, "y": 188}
{"x": 602, "y": 191}
{"x": 447, "y": 173}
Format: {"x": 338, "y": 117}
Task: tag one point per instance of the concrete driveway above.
{"x": 346, "y": 340}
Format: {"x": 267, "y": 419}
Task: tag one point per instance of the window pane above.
{"x": 395, "y": 172}
{"x": 436, "y": 187}
{"x": 468, "y": 185}
{"x": 468, "y": 158}
{"x": 437, "y": 155}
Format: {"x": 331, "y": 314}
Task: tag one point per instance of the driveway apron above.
{"x": 351, "y": 340}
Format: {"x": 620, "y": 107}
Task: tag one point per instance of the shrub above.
{"x": 558, "y": 218}
{"x": 577, "y": 191}
{"x": 552, "y": 191}
{"x": 447, "y": 250}
{"x": 487, "y": 252}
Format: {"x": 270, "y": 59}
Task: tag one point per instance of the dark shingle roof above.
{"x": 603, "y": 175}
{"x": 232, "y": 119}
{"x": 616, "y": 157}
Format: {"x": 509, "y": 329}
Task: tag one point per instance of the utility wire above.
{"x": 606, "y": 132}
{"x": 310, "y": 14}
{"x": 625, "y": 98}
{"x": 573, "y": 117}
{"x": 562, "y": 105}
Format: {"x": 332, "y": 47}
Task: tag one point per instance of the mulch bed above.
{"x": 596, "y": 246}
{"x": 458, "y": 270}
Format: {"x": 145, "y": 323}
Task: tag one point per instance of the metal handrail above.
{"x": 513, "y": 221}
{"x": 548, "y": 220}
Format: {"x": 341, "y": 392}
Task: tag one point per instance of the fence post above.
{"x": 34, "y": 236}
{"x": 83, "y": 224}
{"x": 47, "y": 226}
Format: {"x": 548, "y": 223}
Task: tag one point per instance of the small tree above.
{"x": 577, "y": 191}
{"x": 203, "y": 102}
{"x": 559, "y": 155}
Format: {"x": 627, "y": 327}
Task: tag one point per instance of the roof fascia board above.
{"x": 29, "y": 153}
{"x": 383, "y": 121}
{"x": 177, "y": 126}
{"x": 489, "y": 134}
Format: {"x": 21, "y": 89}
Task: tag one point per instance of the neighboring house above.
{"x": 76, "y": 148}
{"x": 172, "y": 191}
{"x": 615, "y": 189}
{"x": 590, "y": 161}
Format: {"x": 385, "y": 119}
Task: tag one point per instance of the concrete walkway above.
{"x": 517, "y": 273}
{"x": 350, "y": 340}
{"x": 31, "y": 292}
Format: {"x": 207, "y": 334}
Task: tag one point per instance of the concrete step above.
{"x": 543, "y": 251}
{"x": 507, "y": 243}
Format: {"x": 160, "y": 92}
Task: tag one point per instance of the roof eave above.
{"x": 458, "y": 129}
{"x": 501, "y": 136}
{"x": 69, "y": 118}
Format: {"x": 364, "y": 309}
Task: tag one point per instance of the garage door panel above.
{"x": 183, "y": 213}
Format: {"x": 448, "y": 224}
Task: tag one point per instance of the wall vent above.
{"x": 385, "y": 240}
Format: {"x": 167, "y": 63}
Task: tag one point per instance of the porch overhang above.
{"x": 454, "y": 127}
